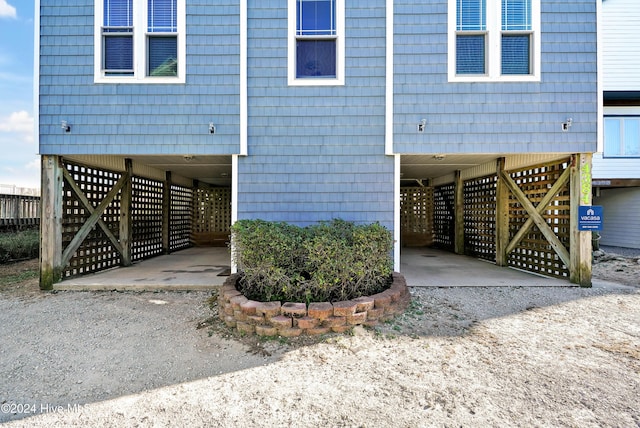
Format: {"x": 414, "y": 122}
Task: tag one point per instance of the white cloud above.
{"x": 6, "y": 10}
{"x": 10, "y": 177}
{"x": 14, "y": 77}
{"x": 33, "y": 165}
{"x": 18, "y": 163}
{"x": 19, "y": 122}
{"x": 22, "y": 170}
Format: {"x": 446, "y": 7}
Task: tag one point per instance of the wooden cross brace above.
{"x": 94, "y": 217}
{"x": 535, "y": 216}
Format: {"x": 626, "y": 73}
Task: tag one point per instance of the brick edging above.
{"x": 293, "y": 319}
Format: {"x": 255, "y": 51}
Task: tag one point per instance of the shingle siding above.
{"x": 496, "y": 117}
{"x": 316, "y": 153}
{"x": 139, "y": 118}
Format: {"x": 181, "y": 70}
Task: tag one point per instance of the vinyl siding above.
{"x": 316, "y": 153}
{"x": 621, "y": 225}
{"x": 615, "y": 167}
{"x": 620, "y": 47}
{"x": 496, "y": 117}
{"x": 139, "y": 118}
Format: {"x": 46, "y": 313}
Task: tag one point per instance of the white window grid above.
{"x": 140, "y": 41}
{"x": 338, "y": 37}
{"x": 493, "y": 45}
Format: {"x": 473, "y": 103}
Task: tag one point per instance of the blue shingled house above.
{"x": 463, "y": 124}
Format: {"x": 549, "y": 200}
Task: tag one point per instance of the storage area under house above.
{"x": 502, "y": 211}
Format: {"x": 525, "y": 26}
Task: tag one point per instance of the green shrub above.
{"x": 330, "y": 261}
{"x": 19, "y": 245}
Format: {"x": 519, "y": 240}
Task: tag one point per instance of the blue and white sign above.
{"x": 590, "y": 217}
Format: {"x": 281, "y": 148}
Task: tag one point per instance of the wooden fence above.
{"x": 19, "y": 211}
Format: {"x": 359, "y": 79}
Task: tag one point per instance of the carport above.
{"x": 516, "y": 211}
{"x": 104, "y": 212}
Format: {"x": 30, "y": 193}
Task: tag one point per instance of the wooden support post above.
{"x": 196, "y": 213}
{"x": 126, "y": 223}
{"x": 502, "y": 216}
{"x": 580, "y": 242}
{"x": 166, "y": 214}
{"x": 459, "y": 214}
{"x": 16, "y": 212}
{"x": 51, "y": 222}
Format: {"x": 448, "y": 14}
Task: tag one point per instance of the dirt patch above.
{"x": 617, "y": 268}
{"x": 20, "y": 279}
{"x": 504, "y": 356}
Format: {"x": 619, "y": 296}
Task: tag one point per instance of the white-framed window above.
{"x": 622, "y": 136}
{"x": 316, "y": 42}
{"x": 494, "y": 40}
{"x": 140, "y": 41}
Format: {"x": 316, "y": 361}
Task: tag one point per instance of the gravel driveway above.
{"x": 457, "y": 357}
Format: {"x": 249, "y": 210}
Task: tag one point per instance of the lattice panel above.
{"x": 96, "y": 252}
{"x": 181, "y": 218}
{"x": 212, "y": 210}
{"x": 444, "y": 216}
{"x": 416, "y": 215}
{"x": 534, "y": 253}
{"x": 146, "y": 217}
{"x": 480, "y": 217}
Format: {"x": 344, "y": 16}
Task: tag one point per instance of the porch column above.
{"x": 166, "y": 213}
{"x": 459, "y": 214}
{"x": 580, "y": 256}
{"x": 126, "y": 226}
{"x": 502, "y": 216}
{"x": 50, "y": 222}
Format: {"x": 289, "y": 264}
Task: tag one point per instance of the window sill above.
{"x": 147, "y": 80}
{"x": 606, "y": 156}
{"x": 489, "y": 79}
{"x": 315, "y": 82}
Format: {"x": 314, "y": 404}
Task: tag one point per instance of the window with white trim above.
{"x": 316, "y": 42}
{"x": 140, "y": 41}
{"x": 622, "y": 136}
{"x": 494, "y": 40}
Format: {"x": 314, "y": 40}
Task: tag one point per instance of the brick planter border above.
{"x": 293, "y": 319}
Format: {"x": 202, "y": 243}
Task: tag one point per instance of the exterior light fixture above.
{"x": 212, "y": 128}
{"x": 422, "y": 125}
{"x": 439, "y": 157}
{"x": 567, "y": 124}
{"x": 65, "y": 126}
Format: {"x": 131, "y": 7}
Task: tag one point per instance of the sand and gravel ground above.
{"x": 457, "y": 357}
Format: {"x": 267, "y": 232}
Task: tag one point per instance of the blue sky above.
{"x": 19, "y": 162}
